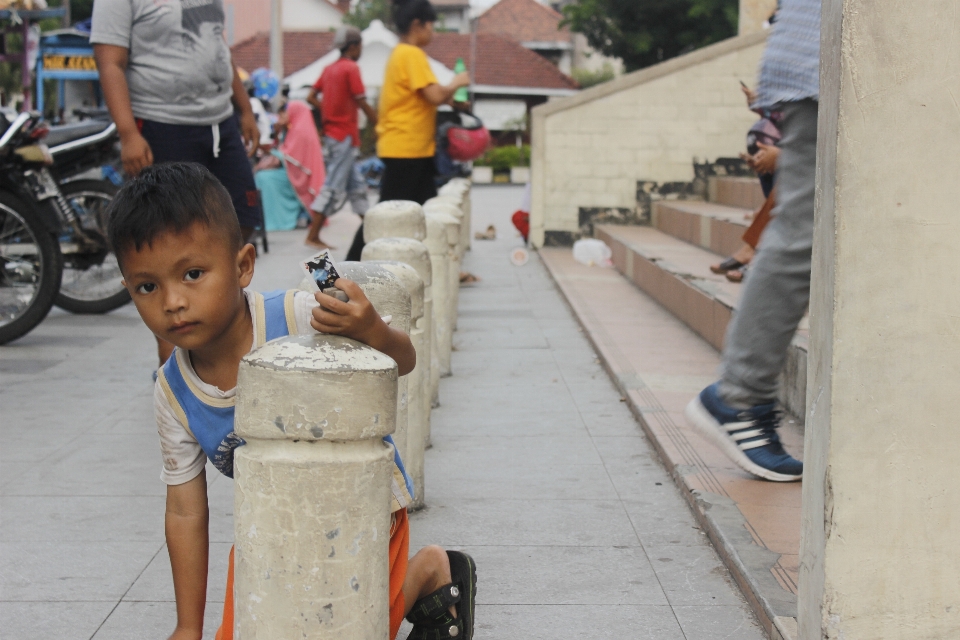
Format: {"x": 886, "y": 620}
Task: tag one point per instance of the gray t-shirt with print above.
{"x": 179, "y": 69}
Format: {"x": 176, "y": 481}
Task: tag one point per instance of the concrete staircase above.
{"x": 670, "y": 260}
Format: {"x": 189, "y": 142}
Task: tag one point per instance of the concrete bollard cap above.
{"x": 442, "y": 227}
{"x": 316, "y": 387}
{"x": 412, "y": 282}
{"x": 455, "y": 189}
{"x": 406, "y": 250}
{"x": 384, "y": 290}
{"x": 394, "y": 219}
{"x": 443, "y": 204}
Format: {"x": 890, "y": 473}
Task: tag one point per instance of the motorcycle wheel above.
{"x": 91, "y": 282}
{"x": 30, "y": 268}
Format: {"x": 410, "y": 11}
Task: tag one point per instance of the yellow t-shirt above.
{"x": 407, "y": 122}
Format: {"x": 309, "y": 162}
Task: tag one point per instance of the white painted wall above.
{"x": 590, "y": 149}
{"x": 310, "y": 15}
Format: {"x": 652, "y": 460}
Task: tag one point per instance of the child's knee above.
{"x": 436, "y": 561}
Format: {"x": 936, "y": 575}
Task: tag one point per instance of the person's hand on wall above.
{"x": 749, "y": 93}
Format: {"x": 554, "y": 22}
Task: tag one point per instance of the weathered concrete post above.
{"x": 451, "y": 205}
{"x": 416, "y": 386}
{"x": 404, "y": 219}
{"x": 312, "y": 490}
{"x": 460, "y": 187}
{"x": 390, "y": 298}
{"x": 445, "y": 206}
{"x": 415, "y": 254}
{"x": 394, "y": 219}
{"x": 442, "y": 238}
{"x": 880, "y": 517}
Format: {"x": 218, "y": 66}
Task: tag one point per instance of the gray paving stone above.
{"x": 81, "y": 518}
{"x": 637, "y": 622}
{"x": 60, "y": 620}
{"x": 566, "y": 575}
{"x": 692, "y": 575}
{"x": 717, "y": 622}
{"x": 152, "y": 620}
{"x": 41, "y": 570}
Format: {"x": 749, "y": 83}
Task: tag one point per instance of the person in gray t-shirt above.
{"x": 176, "y": 96}
{"x": 166, "y": 61}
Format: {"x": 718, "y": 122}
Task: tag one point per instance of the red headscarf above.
{"x": 303, "y": 156}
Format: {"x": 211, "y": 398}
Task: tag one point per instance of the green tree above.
{"x": 366, "y": 11}
{"x": 645, "y": 32}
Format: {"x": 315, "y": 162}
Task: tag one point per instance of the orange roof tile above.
{"x": 300, "y": 48}
{"x": 524, "y": 21}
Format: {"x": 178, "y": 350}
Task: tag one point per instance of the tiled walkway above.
{"x": 660, "y": 364}
{"x": 537, "y": 468}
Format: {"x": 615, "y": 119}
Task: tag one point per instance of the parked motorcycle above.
{"x": 53, "y": 245}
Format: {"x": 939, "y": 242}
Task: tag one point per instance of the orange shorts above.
{"x": 399, "y": 556}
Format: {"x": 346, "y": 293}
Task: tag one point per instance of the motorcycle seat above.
{"x": 69, "y": 132}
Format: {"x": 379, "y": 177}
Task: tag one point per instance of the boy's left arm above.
{"x": 358, "y": 319}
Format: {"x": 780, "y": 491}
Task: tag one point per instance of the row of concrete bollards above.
{"x": 312, "y": 485}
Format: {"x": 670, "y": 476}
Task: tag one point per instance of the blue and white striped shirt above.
{"x": 790, "y": 69}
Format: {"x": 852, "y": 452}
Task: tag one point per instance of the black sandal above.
{"x": 730, "y": 264}
{"x": 430, "y": 614}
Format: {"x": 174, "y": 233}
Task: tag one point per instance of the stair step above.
{"x": 659, "y": 365}
{"x": 714, "y": 227}
{"x": 677, "y": 275}
{"x": 735, "y": 191}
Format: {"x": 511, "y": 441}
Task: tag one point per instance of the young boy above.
{"x": 179, "y": 245}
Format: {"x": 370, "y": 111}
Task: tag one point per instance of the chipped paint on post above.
{"x": 312, "y": 489}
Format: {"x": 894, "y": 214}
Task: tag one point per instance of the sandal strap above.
{"x": 432, "y": 610}
{"x": 453, "y": 630}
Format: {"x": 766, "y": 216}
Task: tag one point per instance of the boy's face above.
{"x": 187, "y": 286}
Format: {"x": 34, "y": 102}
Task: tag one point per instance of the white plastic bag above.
{"x": 592, "y": 252}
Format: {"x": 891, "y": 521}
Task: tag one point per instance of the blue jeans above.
{"x": 343, "y": 181}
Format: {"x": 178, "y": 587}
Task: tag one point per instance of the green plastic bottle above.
{"x": 461, "y": 94}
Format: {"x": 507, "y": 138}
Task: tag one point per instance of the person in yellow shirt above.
{"x": 406, "y": 126}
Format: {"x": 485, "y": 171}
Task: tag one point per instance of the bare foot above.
{"x": 318, "y": 244}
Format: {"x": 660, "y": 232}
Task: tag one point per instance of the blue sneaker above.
{"x": 748, "y": 436}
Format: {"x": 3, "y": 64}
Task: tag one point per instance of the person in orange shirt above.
{"x": 407, "y": 118}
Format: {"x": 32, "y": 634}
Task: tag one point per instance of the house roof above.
{"x": 500, "y": 62}
{"x": 300, "y": 48}
{"x": 524, "y": 21}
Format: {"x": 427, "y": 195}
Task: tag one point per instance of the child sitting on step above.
{"x": 176, "y": 237}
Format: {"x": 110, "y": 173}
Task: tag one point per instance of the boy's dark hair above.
{"x": 406, "y": 11}
{"x": 170, "y": 197}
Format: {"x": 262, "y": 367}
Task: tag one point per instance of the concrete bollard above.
{"x": 312, "y": 490}
{"x": 461, "y": 188}
{"x": 450, "y": 205}
{"x": 394, "y": 219}
{"x": 417, "y": 387}
{"x": 444, "y": 205}
{"x": 442, "y": 238}
{"x": 415, "y": 254}
{"x": 390, "y": 298}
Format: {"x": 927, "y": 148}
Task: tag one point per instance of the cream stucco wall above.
{"x": 590, "y": 149}
{"x": 881, "y": 513}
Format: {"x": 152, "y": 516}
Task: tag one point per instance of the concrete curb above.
{"x": 748, "y": 563}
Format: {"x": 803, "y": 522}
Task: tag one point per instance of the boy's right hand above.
{"x": 356, "y": 318}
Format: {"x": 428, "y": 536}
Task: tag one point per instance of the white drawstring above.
{"x": 216, "y": 140}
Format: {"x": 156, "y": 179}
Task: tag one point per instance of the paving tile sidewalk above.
{"x": 537, "y": 469}
{"x": 660, "y": 364}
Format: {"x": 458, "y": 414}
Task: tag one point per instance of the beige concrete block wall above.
{"x": 590, "y": 149}
{"x": 881, "y": 516}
